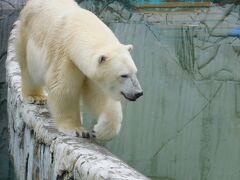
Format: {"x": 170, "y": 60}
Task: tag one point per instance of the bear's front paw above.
{"x": 81, "y": 132}
{"x": 39, "y": 99}
{"x": 103, "y": 134}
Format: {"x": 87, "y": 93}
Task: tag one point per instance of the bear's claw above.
{"x": 75, "y": 133}
{"x": 86, "y": 135}
{"x": 39, "y": 100}
{"x": 93, "y": 134}
{"x": 83, "y": 135}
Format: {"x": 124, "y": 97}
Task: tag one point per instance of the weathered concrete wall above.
{"x": 39, "y": 151}
{"x": 7, "y": 17}
{"x": 9, "y": 10}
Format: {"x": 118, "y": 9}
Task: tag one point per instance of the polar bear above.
{"x": 77, "y": 58}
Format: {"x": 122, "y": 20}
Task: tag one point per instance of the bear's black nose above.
{"x": 137, "y": 95}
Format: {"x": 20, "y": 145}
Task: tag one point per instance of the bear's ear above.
{"x": 129, "y": 47}
{"x": 101, "y": 59}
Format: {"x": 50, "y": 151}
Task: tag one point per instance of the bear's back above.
{"x": 50, "y": 19}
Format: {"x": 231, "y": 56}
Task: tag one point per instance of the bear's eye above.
{"x": 124, "y": 76}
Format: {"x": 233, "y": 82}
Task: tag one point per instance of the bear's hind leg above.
{"x": 31, "y": 92}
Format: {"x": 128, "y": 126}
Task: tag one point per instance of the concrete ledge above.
{"x": 39, "y": 151}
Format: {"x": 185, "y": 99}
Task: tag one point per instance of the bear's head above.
{"x": 115, "y": 73}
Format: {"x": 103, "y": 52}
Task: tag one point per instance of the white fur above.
{"x": 35, "y": 60}
{"x": 59, "y": 46}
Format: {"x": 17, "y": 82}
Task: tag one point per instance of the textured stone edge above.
{"x": 38, "y": 150}
{"x": 12, "y": 4}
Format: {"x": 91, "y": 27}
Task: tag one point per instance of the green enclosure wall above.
{"x": 187, "y": 124}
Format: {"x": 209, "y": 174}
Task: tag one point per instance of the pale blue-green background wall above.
{"x": 187, "y": 124}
